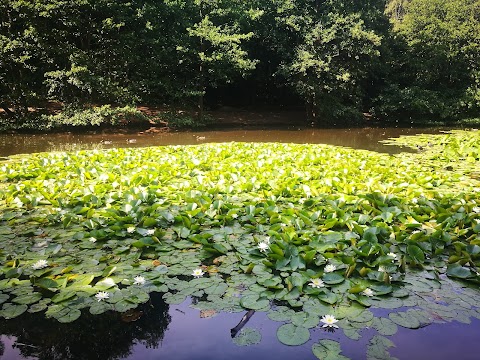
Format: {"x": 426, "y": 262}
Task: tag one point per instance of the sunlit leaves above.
{"x": 153, "y": 220}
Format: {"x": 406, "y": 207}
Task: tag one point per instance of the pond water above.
{"x": 161, "y": 331}
{"x": 360, "y": 138}
{"x": 179, "y": 332}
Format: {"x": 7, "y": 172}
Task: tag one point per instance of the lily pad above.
{"x": 385, "y": 326}
{"x": 328, "y": 350}
{"x": 292, "y": 335}
{"x": 10, "y": 311}
{"x": 254, "y": 303}
{"x": 304, "y": 319}
{"x": 378, "y": 348}
{"x": 411, "y": 319}
{"x": 247, "y": 336}
{"x": 281, "y": 313}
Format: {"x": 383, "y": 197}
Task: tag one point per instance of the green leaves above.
{"x": 411, "y": 319}
{"x": 144, "y": 235}
{"x": 458, "y": 271}
{"x": 247, "y": 336}
{"x": 254, "y": 302}
{"x": 416, "y": 254}
{"x": 10, "y": 311}
{"x": 292, "y": 335}
{"x": 328, "y": 350}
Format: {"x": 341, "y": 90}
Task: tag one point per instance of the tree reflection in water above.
{"x": 106, "y": 336}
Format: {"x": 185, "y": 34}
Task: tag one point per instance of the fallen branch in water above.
{"x": 242, "y": 323}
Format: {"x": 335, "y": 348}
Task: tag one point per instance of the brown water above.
{"x": 360, "y": 138}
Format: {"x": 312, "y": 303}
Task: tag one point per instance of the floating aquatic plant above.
{"x": 269, "y": 223}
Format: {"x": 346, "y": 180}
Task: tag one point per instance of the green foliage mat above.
{"x": 320, "y": 229}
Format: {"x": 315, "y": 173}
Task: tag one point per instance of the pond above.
{"x": 188, "y": 328}
{"x": 359, "y": 138}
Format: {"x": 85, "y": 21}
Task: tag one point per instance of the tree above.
{"x": 332, "y": 59}
{"x": 20, "y": 57}
{"x": 437, "y": 69}
{"x": 211, "y": 47}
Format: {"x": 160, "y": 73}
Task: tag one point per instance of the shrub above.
{"x": 105, "y": 115}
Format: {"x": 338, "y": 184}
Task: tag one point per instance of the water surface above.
{"x": 360, "y": 138}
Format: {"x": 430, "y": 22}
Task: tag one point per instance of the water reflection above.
{"x": 105, "y": 336}
{"x": 179, "y": 332}
{"x": 360, "y": 138}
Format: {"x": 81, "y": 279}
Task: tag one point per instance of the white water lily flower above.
{"x": 317, "y": 283}
{"x": 197, "y": 273}
{"x": 263, "y": 246}
{"x": 40, "y": 264}
{"x": 139, "y": 280}
{"x": 382, "y": 268}
{"x": 234, "y": 216}
{"x": 102, "y": 295}
{"x": 92, "y": 239}
{"x": 476, "y": 209}
{"x": 131, "y": 229}
{"x": 330, "y": 268}
{"x": 392, "y": 255}
{"x": 367, "y": 292}
{"x": 150, "y": 231}
{"x": 329, "y": 321}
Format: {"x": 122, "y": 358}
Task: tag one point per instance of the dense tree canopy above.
{"x": 415, "y": 58}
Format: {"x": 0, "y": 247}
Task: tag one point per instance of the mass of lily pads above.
{"x": 315, "y": 235}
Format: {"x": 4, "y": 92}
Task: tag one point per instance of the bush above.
{"x": 96, "y": 116}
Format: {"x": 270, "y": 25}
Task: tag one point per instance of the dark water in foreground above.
{"x": 360, "y": 138}
{"x": 162, "y": 331}
{"x": 178, "y": 332}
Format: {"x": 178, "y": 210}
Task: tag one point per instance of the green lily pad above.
{"x": 328, "y": 350}
{"x": 174, "y": 299}
{"x": 363, "y": 317}
{"x": 378, "y": 348}
{"x": 333, "y": 278}
{"x": 329, "y": 297}
{"x": 10, "y": 311}
{"x": 27, "y": 299}
{"x": 281, "y": 313}
{"x": 247, "y": 336}
{"x": 4, "y": 298}
{"x": 458, "y": 271}
{"x": 410, "y": 319}
{"x": 254, "y": 303}
{"x": 292, "y": 335}
{"x": 385, "y": 326}
{"x": 304, "y": 319}
{"x": 100, "y": 307}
